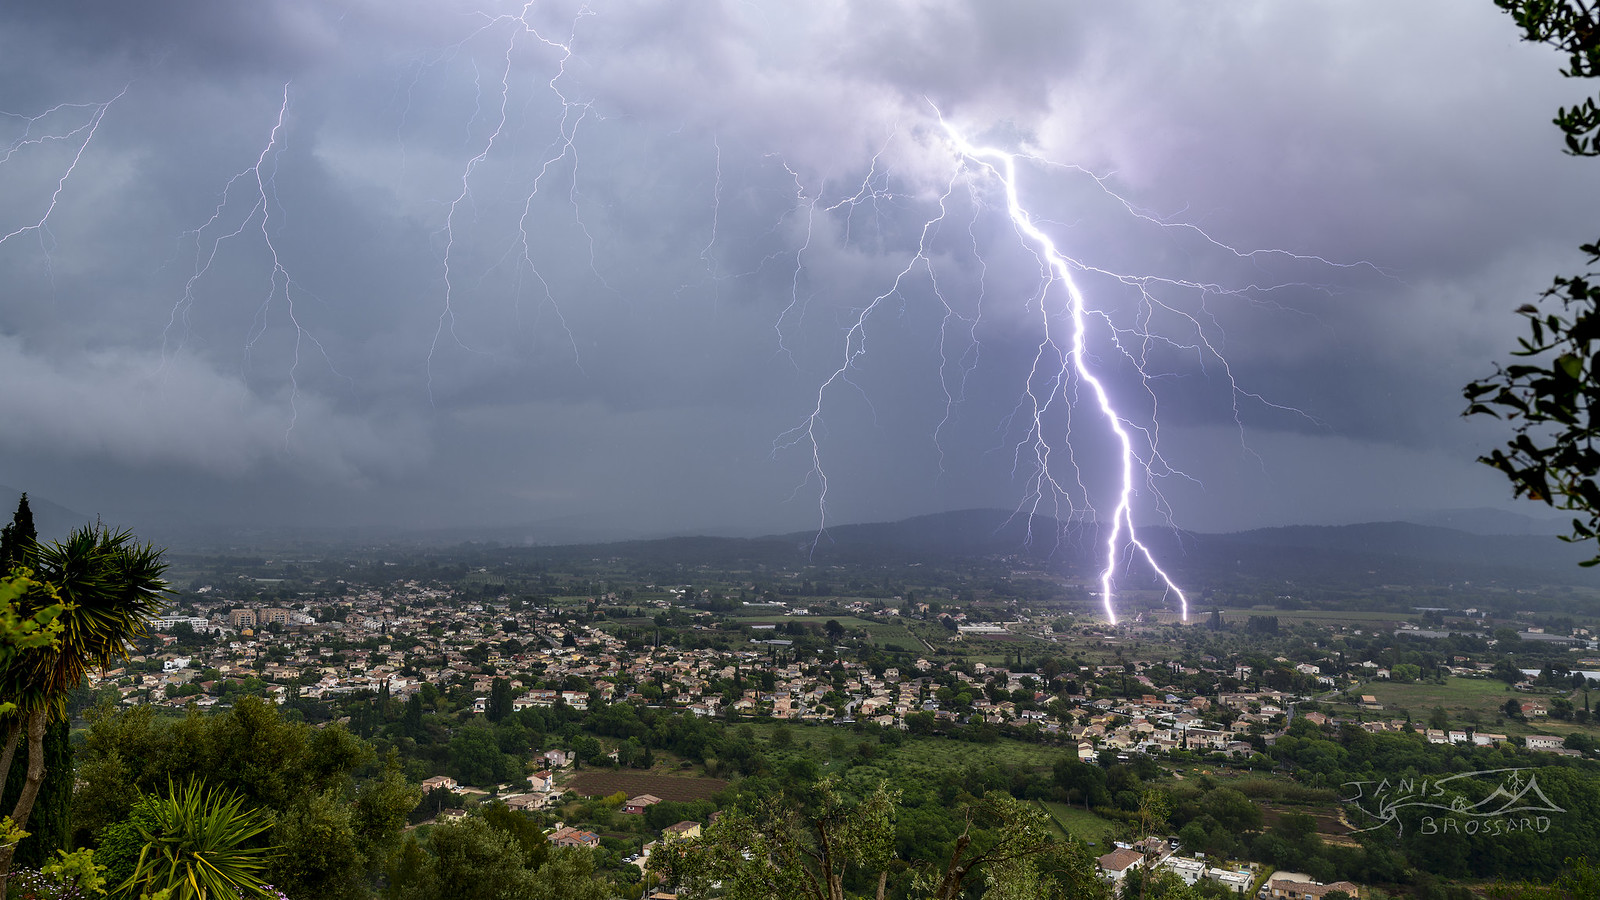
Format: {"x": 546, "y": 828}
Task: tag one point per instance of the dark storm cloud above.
{"x": 658, "y": 238}
{"x": 189, "y": 33}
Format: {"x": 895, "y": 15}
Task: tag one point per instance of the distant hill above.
{"x": 1484, "y": 546}
{"x": 1370, "y": 553}
{"x": 1482, "y": 520}
{"x": 971, "y": 532}
{"x": 52, "y": 520}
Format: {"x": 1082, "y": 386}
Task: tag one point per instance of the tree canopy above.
{"x": 106, "y": 586}
{"x": 1551, "y": 394}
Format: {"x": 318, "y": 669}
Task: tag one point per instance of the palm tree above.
{"x": 110, "y": 587}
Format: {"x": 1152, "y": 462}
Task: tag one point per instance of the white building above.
{"x": 1189, "y": 869}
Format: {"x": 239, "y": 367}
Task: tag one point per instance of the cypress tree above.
{"x": 17, "y": 539}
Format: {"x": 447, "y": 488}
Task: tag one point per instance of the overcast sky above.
{"x": 430, "y": 264}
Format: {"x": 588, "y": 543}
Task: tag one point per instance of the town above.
{"x": 1221, "y": 696}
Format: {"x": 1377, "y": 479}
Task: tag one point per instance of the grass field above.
{"x": 1078, "y": 822}
{"x": 1455, "y": 694}
{"x": 925, "y": 760}
{"x": 1475, "y": 702}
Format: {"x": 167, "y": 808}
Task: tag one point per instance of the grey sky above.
{"x": 589, "y": 264}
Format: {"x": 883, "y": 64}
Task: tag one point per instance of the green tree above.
{"x": 529, "y": 836}
{"x": 17, "y": 540}
{"x": 499, "y": 705}
{"x": 473, "y": 860}
{"x": 411, "y": 719}
{"x": 815, "y": 841}
{"x": 1006, "y": 840}
{"x": 1232, "y": 810}
{"x": 49, "y": 825}
{"x": 477, "y": 757}
{"x": 336, "y": 835}
{"x": 121, "y": 842}
{"x": 22, "y": 631}
{"x": 786, "y": 848}
{"x": 1551, "y": 397}
{"x": 109, "y": 587}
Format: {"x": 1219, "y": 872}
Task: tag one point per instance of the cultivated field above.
{"x": 1331, "y": 825}
{"x": 667, "y": 787}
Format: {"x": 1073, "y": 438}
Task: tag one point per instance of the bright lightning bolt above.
{"x": 1067, "y": 377}
{"x": 1002, "y": 166}
{"x": 1087, "y": 359}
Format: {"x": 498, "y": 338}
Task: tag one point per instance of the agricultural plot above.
{"x": 1078, "y": 822}
{"x": 667, "y": 787}
{"x": 928, "y": 760}
{"x": 1331, "y": 824}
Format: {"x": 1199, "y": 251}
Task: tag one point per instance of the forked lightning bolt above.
{"x": 1082, "y": 343}
{"x": 573, "y": 113}
{"x": 1068, "y": 371}
{"x": 258, "y": 184}
{"x": 1002, "y": 166}
{"x": 35, "y": 135}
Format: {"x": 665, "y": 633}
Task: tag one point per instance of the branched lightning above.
{"x": 35, "y": 135}
{"x": 573, "y": 114}
{"x": 1082, "y": 353}
{"x": 1066, "y": 378}
{"x": 258, "y": 184}
{"x": 1073, "y": 361}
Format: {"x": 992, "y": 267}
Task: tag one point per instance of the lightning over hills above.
{"x": 1074, "y": 339}
{"x": 751, "y": 267}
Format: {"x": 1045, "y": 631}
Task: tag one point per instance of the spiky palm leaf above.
{"x": 199, "y": 848}
{"x": 111, "y": 587}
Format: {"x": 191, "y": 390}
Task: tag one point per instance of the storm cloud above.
{"x": 441, "y": 264}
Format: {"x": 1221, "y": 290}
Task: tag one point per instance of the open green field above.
{"x": 931, "y": 760}
{"x": 1455, "y": 694}
{"x": 1462, "y": 699}
{"x": 880, "y": 633}
{"x": 1360, "y": 618}
{"x": 1078, "y": 822}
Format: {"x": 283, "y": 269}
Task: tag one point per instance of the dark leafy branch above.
{"x": 1551, "y": 394}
